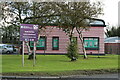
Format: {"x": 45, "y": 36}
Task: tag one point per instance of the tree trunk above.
{"x": 71, "y": 41}
{"x": 71, "y": 35}
{"x": 30, "y": 57}
{"x": 30, "y": 53}
{"x": 81, "y": 39}
{"x": 83, "y": 48}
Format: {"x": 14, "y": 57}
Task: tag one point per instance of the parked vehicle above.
{"x": 6, "y": 48}
{"x": 1, "y": 48}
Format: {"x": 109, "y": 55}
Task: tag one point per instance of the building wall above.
{"x": 50, "y": 32}
{"x": 96, "y": 32}
{"x": 112, "y": 48}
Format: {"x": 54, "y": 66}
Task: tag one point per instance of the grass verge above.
{"x": 57, "y": 65}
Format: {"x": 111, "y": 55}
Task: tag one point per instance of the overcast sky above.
{"x": 110, "y": 12}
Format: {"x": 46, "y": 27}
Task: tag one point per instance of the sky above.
{"x": 110, "y": 10}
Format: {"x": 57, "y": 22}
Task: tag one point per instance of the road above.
{"x": 74, "y": 77}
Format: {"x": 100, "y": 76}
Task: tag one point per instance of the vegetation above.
{"x": 27, "y": 13}
{"x": 73, "y": 51}
{"x": 77, "y": 15}
{"x": 10, "y": 34}
{"x": 71, "y": 15}
{"x": 114, "y": 31}
{"x": 57, "y": 63}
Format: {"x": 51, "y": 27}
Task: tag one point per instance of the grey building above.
{"x": 112, "y": 45}
{"x": 112, "y": 40}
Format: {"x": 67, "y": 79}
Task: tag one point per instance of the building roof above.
{"x": 98, "y": 23}
{"x": 90, "y": 22}
{"x": 112, "y": 40}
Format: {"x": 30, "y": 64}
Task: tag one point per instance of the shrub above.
{"x": 72, "y": 51}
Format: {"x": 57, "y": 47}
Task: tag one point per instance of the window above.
{"x": 41, "y": 43}
{"x": 1, "y": 47}
{"x": 55, "y": 43}
{"x": 9, "y": 46}
{"x": 91, "y": 43}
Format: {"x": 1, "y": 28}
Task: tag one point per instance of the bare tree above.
{"x": 77, "y": 15}
{"x": 71, "y": 15}
{"x": 16, "y": 13}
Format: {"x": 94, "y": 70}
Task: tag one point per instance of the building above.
{"x": 112, "y": 45}
{"x": 54, "y": 41}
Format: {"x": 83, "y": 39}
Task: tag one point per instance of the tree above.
{"x": 77, "y": 15}
{"x": 10, "y": 34}
{"x": 73, "y": 51}
{"x": 71, "y": 15}
{"x": 16, "y": 13}
{"x": 114, "y": 31}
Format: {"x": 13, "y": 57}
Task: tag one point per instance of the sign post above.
{"x": 34, "y": 54}
{"x": 28, "y": 32}
{"x": 23, "y": 53}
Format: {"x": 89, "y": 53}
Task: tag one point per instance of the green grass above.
{"x": 57, "y": 63}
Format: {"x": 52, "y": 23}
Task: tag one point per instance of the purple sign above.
{"x": 28, "y": 32}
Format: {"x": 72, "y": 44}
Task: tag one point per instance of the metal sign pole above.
{"x": 34, "y": 54}
{"x": 23, "y": 53}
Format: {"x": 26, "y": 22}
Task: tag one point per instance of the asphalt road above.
{"x": 74, "y": 77}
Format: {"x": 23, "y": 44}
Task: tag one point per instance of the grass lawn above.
{"x": 57, "y": 63}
